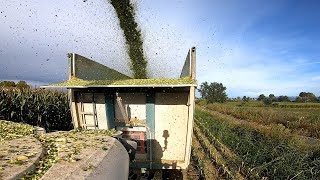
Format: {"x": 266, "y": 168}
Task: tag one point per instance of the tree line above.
{"x": 216, "y": 92}
{"x": 303, "y": 97}
{"x": 11, "y": 84}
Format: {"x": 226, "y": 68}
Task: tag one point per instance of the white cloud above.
{"x": 246, "y": 72}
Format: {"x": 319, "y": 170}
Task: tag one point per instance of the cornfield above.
{"x": 44, "y": 108}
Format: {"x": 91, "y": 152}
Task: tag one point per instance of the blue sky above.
{"x": 251, "y": 46}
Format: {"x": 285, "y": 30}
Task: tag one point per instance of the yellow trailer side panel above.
{"x": 171, "y": 117}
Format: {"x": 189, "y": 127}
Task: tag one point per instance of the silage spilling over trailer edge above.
{"x": 80, "y": 82}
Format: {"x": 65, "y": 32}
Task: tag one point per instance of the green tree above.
{"x": 245, "y": 99}
{"x": 272, "y": 97}
{"x": 215, "y": 92}
{"x": 261, "y": 97}
{"x": 269, "y": 100}
{"x": 307, "y": 97}
{"x": 283, "y": 99}
{"x": 22, "y": 85}
{"x": 7, "y": 84}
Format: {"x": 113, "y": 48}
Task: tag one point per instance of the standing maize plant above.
{"x": 48, "y": 109}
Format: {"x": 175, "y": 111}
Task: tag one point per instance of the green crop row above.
{"x": 305, "y": 122}
{"x": 44, "y": 108}
{"x": 264, "y": 153}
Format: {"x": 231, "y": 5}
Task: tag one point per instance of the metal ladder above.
{"x": 84, "y": 113}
